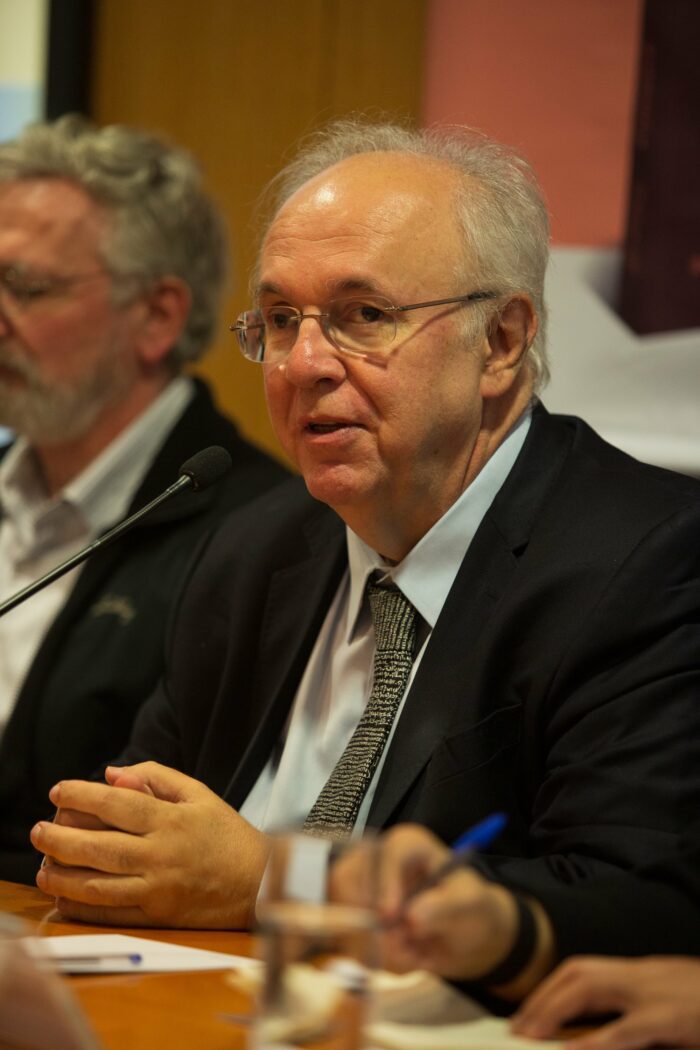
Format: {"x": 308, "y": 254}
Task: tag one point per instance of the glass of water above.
{"x": 318, "y": 951}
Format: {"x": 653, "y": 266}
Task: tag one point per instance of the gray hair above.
{"x": 505, "y": 226}
{"x": 163, "y": 223}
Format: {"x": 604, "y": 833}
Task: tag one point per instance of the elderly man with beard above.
{"x": 112, "y": 259}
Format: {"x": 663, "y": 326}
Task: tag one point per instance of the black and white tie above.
{"x": 394, "y": 619}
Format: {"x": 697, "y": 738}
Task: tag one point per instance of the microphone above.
{"x": 197, "y": 473}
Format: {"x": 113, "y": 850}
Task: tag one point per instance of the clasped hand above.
{"x": 150, "y": 847}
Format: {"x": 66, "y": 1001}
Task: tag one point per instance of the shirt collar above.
{"x": 100, "y": 495}
{"x": 428, "y": 571}
{"x": 105, "y": 489}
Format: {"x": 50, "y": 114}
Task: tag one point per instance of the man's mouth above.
{"x": 326, "y": 428}
{"x": 15, "y": 368}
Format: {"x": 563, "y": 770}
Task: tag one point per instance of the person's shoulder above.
{"x": 594, "y": 461}
{"x": 282, "y": 528}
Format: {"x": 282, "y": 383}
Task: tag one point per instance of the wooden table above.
{"x": 175, "y": 1011}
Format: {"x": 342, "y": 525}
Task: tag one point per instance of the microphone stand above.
{"x": 183, "y": 482}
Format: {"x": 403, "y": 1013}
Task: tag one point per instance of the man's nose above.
{"x": 313, "y": 357}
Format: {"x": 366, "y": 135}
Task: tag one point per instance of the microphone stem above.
{"x": 183, "y": 482}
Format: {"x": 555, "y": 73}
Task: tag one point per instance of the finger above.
{"x": 577, "y": 987}
{"x": 72, "y": 818}
{"x": 452, "y": 896}
{"x": 397, "y": 953}
{"x": 408, "y": 855}
{"x": 638, "y": 1030}
{"x": 456, "y": 912}
{"x": 116, "y": 807}
{"x": 110, "y": 851}
{"x": 164, "y": 783}
{"x": 125, "y": 778}
{"x": 86, "y": 886}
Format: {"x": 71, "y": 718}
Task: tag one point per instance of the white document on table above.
{"x": 90, "y": 953}
{"x": 483, "y": 1033}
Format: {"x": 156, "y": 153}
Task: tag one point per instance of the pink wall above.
{"x": 555, "y": 78}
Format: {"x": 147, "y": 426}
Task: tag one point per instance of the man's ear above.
{"x": 510, "y": 336}
{"x": 166, "y": 307}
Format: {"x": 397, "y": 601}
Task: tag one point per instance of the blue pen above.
{"x": 481, "y": 834}
{"x": 463, "y": 849}
{"x": 95, "y": 963}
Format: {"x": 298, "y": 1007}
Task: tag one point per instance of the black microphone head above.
{"x": 206, "y": 467}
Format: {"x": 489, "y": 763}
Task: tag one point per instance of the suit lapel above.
{"x": 297, "y": 602}
{"x": 440, "y": 695}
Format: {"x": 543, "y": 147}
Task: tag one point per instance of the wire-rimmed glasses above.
{"x": 362, "y": 325}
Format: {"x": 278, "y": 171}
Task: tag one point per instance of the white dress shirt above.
{"x": 337, "y": 682}
{"x": 38, "y": 531}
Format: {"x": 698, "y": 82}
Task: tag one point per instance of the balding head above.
{"x": 498, "y": 212}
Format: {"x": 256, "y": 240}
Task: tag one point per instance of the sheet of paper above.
{"x": 118, "y": 953}
{"x": 485, "y": 1033}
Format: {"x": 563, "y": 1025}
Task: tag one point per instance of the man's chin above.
{"x": 340, "y": 486}
{"x": 43, "y": 424}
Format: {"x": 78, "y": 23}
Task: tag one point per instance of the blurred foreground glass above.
{"x": 318, "y": 953}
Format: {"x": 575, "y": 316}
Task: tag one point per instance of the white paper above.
{"x": 156, "y": 956}
{"x": 485, "y": 1033}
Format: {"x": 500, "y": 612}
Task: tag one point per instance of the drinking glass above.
{"x": 318, "y": 951}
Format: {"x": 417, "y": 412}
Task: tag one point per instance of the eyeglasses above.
{"x": 365, "y": 325}
{"x": 24, "y": 287}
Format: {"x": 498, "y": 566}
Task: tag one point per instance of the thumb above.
{"x": 156, "y": 780}
{"x": 125, "y": 778}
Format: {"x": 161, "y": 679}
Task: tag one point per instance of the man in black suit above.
{"x": 555, "y": 581}
{"x": 112, "y": 259}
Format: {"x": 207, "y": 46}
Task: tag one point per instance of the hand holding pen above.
{"x": 436, "y": 911}
{"x": 463, "y": 850}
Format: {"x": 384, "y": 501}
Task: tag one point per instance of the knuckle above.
{"x": 147, "y": 769}
{"x": 119, "y": 856}
{"x": 576, "y": 966}
{"x": 95, "y": 891}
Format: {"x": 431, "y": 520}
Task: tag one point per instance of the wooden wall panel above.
{"x": 239, "y": 82}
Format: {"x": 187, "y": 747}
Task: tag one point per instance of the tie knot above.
{"x": 393, "y": 617}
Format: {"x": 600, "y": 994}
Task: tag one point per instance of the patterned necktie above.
{"x": 394, "y": 619}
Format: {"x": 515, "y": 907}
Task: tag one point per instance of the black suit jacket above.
{"x": 654, "y": 909}
{"x": 103, "y": 654}
{"x": 561, "y": 682}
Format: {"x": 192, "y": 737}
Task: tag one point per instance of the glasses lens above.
{"x": 363, "y": 326}
{"x": 366, "y": 325}
{"x": 281, "y": 327}
{"x": 250, "y": 333}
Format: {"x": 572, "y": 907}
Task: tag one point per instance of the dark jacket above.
{"x": 561, "y": 682}
{"x": 103, "y": 654}
{"x": 655, "y": 909}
